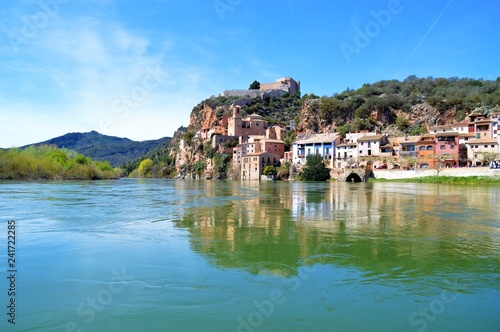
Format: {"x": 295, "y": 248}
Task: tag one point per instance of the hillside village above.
{"x": 253, "y": 143}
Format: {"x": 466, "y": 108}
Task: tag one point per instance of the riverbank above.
{"x": 448, "y": 175}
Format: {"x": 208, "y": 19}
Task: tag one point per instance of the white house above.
{"x": 369, "y": 145}
{"x": 322, "y": 144}
{"x": 478, "y": 149}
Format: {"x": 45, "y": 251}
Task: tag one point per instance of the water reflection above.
{"x": 390, "y": 231}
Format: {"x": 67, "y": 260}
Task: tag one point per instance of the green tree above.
{"x": 104, "y": 165}
{"x": 189, "y": 137}
{"x": 289, "y": 140}
{"x": 315, "y": 169}
{"x": 488, "y": 157}
{"x": 269, "y": 170}
{"x": 402, "y": 123}
{"x": 255, "y": 85}
{"x": 222, "y": 163}
{"x": 199, "y": 168}
{"x": 59, "y": 156}
{"x": 144, "y": 169}
{"x": 284, "y": 170}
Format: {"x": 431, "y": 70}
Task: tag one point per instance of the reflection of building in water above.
{"x": 278, "y": 227}
{"x": 353, "y": 205}
{"x": 250, "y": 232}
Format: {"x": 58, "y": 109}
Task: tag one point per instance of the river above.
{"x": 196, "y": 255}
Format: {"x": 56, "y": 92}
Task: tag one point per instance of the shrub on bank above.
{"x": 51, "y": 163}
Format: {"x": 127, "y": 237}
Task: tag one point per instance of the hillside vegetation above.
{"x": 411, "y": 106}
{"x": 50, "y": 163}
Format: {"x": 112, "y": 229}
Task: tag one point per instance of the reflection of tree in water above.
{"x": 382, "y": 234}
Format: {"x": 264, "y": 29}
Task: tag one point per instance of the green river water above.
{"x": 196, "y": 255}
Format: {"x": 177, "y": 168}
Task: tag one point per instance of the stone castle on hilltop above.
{"x": 280, "y": 87}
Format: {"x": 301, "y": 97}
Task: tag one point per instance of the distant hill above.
{"x": 116, "y": 150}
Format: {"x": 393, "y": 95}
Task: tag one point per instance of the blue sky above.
{"x": 135, "y": 69}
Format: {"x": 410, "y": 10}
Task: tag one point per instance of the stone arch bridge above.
{"x": 355, "y": 175}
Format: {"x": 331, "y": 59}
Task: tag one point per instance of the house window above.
{"x": 486, "y": 146}
{"x": 369, "y": 152}
{"x": 442, "y": 147}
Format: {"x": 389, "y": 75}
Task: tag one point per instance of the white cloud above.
{"x": 84, "y": 69}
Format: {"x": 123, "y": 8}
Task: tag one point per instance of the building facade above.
{"x": 252, "y": 165}
{"x": 252, "y": 125}
{"x": 322, "y": 144}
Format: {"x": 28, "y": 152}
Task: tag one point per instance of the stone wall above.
{"x": 459, "y": 172}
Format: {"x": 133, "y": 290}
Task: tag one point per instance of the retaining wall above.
{"x": 459, "y": 172}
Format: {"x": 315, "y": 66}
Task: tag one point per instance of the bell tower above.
{"x": 234, "y": 125}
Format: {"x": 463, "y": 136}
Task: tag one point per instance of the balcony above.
{"x": 408, "y": 153}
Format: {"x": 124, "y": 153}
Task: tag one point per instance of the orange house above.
{"x": 425, "y": 149}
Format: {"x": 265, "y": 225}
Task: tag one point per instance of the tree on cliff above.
{"x": 315, "y": 169}
{"x": 255, "y": 85}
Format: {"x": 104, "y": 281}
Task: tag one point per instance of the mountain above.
{"x": 116, "y": 150}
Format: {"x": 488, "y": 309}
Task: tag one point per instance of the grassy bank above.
{"x": 447, "y": 180}
{"x": 51, "y": 163}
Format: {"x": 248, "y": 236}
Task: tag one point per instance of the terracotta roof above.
{"x": 347, "y": 144}
{"x": 319, "y": 138}
{"x": 482, "y": 141}
{"x": 371, "y": 138}
{"x": 409, "y": 140}
{"x": 272, "y": 140}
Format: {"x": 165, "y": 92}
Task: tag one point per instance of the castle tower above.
{"x": 234, "y": 124}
